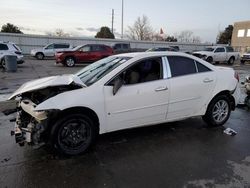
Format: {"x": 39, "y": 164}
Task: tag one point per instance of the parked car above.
{"x": 218, "y": 54}
{"x": 10, "y": 48}
{"x": 245, "y": 57}
{"x": 49, "y": 50}
{"x": 162, "y": 49}
{"x": 83, "y": 54}
{"x": 120, "y": 92}
{"x": 121, "y": 48}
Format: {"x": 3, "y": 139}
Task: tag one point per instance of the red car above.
{"x": 83, "y": 54}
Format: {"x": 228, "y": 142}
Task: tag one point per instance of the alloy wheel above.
{"x": 220, "y": 111}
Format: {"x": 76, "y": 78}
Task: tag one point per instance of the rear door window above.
{"x": 229, "y": 49}
{"x": 3, "y": 47}
{"x": 181, "y": 66}
{"x": 58, "y": 46}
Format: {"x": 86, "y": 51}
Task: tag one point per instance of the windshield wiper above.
{"x": 102, "y": 65}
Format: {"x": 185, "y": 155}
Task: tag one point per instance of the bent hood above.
{"x": 47, "y": 82}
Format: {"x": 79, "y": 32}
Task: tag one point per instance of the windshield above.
{"x": 99, "y": 69}
{"x": 209, "y": 49}
{"x": 76, "y": 48}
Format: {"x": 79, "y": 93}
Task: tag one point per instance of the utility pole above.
{"x": 112, "y": 28}
{"x": 122, "y": 19}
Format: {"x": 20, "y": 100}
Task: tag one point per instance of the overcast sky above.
{"x": 84, "y": 17}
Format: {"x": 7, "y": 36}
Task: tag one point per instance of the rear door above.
{"x": 191, "y": 85}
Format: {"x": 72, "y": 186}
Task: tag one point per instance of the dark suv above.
{"x": 83, "y": 54}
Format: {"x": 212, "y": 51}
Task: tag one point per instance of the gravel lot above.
{"x": 180, "y": 154}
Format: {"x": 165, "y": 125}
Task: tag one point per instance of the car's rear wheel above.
{"x": 70, "y": 62}
{"x": 218, "y": 111}
{"x": 231, "y": 61}
{"x": 73, "y": 134}
{"x": 40, "y": 56}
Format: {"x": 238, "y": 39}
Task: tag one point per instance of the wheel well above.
{"x": 83, "y": 110}
{"x": 39, "y": 53}
{"x": 232, "y": 57}
{"x": 230, "y": 97}
{"x": 70, "y": 56}
{"x": 210, "y": 58}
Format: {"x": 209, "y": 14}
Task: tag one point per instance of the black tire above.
{"x": 70, "y": 61}
{"x": 39, "y": 56}
{"x": 217, "y": 62}
{"x": 242, "y": 61}
{"x": 247, "y": 101}
{"x": 231, "y": 61}
{"x": 2, "y": 63}
{"x": 209, "y": 59}
{"x": 217, "y": 114}
{"x": 73, "y": 134}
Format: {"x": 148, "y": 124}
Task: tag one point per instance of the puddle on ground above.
{"x": 4, "y": 97}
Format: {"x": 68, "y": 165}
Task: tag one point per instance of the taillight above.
{"x": 236, "y": 76}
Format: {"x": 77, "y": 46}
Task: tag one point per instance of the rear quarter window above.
{"x": 202, "y": 68}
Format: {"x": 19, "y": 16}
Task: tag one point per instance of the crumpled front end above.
{"x": 31, "y": 125}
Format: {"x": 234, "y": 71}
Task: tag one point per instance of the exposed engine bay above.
{"x": 32, "y": 126}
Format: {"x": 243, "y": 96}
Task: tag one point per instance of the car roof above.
{"x": 150, "y": 54}
{"x": 215, "y": 46}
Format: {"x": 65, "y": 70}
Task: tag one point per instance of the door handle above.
{"x": 207, "y": 80}
{"x": 161, "y": 89}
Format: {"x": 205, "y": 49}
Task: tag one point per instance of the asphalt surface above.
{"x": 180, "y": 154}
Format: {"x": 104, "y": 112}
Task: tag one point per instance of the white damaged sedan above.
{"x": 120, "y": 92}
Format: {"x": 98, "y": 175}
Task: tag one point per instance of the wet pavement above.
{"x": 179, "y": 154}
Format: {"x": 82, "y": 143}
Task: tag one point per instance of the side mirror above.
{"x": 117, "y": 85}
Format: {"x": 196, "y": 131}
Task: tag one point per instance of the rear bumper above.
{"x": 237, "y": 94}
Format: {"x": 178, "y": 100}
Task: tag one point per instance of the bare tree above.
{"x": 196, "y": 39}
{"x": 141, "y": 29}
{"x": 188, "y": 36}
{"x": 60, "y": 33}
{"x": 185, "y": 36}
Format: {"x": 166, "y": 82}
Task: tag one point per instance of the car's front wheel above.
{"x": 218, "y": 111}
{"x": 73, "y": 134}
{"x": 70, "y": 62}
{"x": 210, "y": 59}
{"x": 40, "y": 56}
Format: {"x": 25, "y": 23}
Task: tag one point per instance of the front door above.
{"x": 49, "y": 51}
{"x": 219, "y": 54}
{"x": 84, "y": 54}
{"x": 142, "y": 100}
